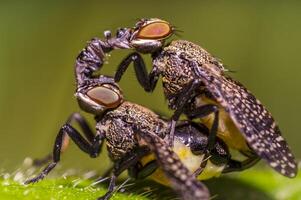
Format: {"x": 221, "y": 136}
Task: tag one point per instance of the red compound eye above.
{"x": 104, "y": 96}
{"x": 155, "y": 30}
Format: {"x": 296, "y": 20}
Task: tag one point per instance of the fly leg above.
{"x": 139, "y": 66}
{"x": 120, "y": 166}
{"x": 236, "y": 166}
{"x": 147, "y": 81}
{"x": 184, "y": 97}
{"x": 201, "y": 168}
{"x": 203, "y": 111}
{"x": 91, "y": 58}
{"x": 141, "y": 172}
{"x": 93, "y": 148}
{"x": 83, "y": 124}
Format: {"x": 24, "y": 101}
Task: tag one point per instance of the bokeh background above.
{"x": 39, "y": 41}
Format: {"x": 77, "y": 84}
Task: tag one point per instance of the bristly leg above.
{"x": 141, "y": 172}
{"x": 83, "y": 124}
{"x": 203, "y": 111}
{"x": 125, "y": 163}
{"x": 236, "y": 166}
{"x": 93, "y": 149}
{"x": 182, "y": 100}
{"x": 110, "y": 188}
{"x": 139, "y": 66}
{"x": 147, "y": 81}
{"x": 91, "y": 58}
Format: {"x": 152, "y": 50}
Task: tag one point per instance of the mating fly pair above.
{"x": 136, "y": 141}
{"x": 195, "y": 83}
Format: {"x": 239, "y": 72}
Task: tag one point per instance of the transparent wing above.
{"x": 252, "y": 119}
{"x": 180, "y": 178}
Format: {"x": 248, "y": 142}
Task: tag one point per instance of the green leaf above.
{"x": 257, "y": 184}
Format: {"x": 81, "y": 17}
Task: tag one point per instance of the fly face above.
{"x": 149, "y": 35}
{"x": 95, "y": 96}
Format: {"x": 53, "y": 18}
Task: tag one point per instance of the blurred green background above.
{"x": 39, "y": 41}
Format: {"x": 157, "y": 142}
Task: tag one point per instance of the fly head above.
{"x": 99, "y": 94}
{"x": 149, "y": 35}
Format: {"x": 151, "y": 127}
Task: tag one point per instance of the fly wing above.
{"x": 180, "y": 178}
{"x": 251, "y": 118}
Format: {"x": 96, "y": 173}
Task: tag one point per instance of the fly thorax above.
{"x": 175, "y": 71}
{"x": 143, "y": 118}
{"x": 190, "y": 51}
{"x": 120, "y": 138}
